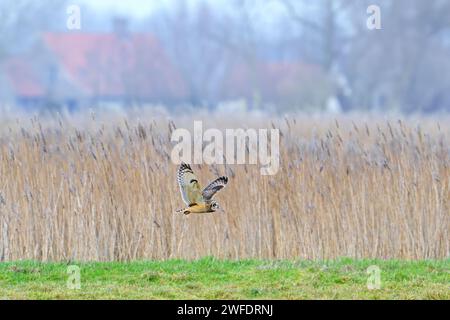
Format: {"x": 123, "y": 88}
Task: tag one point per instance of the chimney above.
{"x": 120, "y": 27}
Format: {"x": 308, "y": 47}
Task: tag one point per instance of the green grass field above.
{"x": 209, "y": 278}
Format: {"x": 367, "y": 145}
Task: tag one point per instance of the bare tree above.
{"x": 239, "y": 33}
{"x": 321, "y": 23}
{"x": 404, "y": 65}
{"x": 201, "y": 61}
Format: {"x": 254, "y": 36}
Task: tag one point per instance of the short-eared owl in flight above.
{"x": 198, "y": 200}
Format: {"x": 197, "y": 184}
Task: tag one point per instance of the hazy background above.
{"x": 274, "y": 55}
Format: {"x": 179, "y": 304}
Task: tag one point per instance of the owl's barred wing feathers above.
{"x": 189, "y": 186}
{"x": 214, "y": 187}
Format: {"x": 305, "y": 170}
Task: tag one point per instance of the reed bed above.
{"x": 104, "y": 188}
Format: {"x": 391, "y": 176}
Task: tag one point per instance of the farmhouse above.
{"x": 87, "y": 69}
{"x": 120, "y": 68}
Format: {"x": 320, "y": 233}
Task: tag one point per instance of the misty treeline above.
{"x": 285, "y": 54}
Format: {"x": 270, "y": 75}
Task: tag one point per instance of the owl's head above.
{"x": 215, "y": 206}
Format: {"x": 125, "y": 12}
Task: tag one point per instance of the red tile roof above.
{"x": 105, "y": 64}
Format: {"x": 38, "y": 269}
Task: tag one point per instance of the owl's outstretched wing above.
{"x": 189, "y": 186}
{"x": 214, "y": 187}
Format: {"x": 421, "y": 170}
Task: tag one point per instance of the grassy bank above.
{"x": 213, "y": 279}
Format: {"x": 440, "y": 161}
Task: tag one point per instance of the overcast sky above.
{"x": 265, "y": 13}
{"x": 134, "y": 8}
